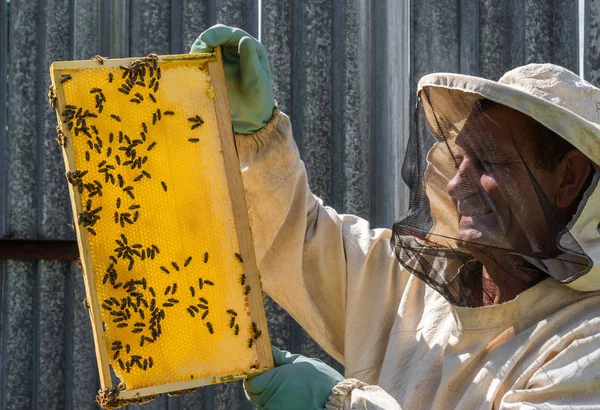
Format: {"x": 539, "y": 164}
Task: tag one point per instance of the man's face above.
{"x": 494, "y": 195}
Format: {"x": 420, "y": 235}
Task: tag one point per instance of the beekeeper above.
{"x": 488, "y": 295}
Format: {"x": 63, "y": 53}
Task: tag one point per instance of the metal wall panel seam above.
{"x": 104, "y": 28}
{"x": 211, "y": 11}
{"x": 378, "y": 121}
{"x": 338, "y": 63}
{"x": 517, "y": 34}
{"x": 68, "y": 342}
{"x": 120, "y": 33}
{"x": 3, "y": 114}
{"x": 251, "y": 22}
{"x": 297, "y": 74}
{"x": 592, "y": 41}
{"x": 3, "y": 308}
{"x": 297, "y": 117}
{"x": 586, "y": 38}
{"x": 175, "y": 27}
{"x": 469, "y": 37}
{"x": 39, "y": 164}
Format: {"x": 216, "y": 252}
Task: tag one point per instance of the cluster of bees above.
{"x": 142, "y": 309}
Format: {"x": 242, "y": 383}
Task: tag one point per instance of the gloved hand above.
{"x": 296, "y": 383}
{"x": 247, "y": 74}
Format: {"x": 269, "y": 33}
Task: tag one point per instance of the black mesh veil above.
{"x": 481, "y": 201}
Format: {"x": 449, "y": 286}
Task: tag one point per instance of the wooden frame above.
{"x": 112, "y": 396}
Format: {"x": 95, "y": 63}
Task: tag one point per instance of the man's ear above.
{"x": 574, "y": 170}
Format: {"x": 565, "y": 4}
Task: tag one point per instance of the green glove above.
{"x": 296, "y": 383}
{"x": 247, "y": 74}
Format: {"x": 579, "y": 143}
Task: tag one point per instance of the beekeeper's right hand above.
{"x": 247, "y": 73}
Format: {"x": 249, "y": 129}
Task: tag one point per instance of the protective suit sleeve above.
{"x": 352, "y": 394}
{"x": 306, "y": 252}
{"x": 564, "y": 378}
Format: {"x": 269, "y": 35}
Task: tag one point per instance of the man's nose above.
{"x": 466, "y": 179}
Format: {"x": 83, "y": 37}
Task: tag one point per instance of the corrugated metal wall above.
{"x": 345, "y": 70}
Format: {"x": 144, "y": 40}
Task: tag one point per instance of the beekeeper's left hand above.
{"x": 247, "y": 74}
{"x": 295, "y": 383}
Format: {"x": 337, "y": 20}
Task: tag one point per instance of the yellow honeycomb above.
{"x": 159, "y": 220}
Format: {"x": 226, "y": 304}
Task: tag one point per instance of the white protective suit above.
{"x": 409, "y": 347}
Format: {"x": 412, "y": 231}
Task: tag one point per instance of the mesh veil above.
{"x": 480, "y": 201}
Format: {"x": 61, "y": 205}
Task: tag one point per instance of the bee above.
{"x": 175, "y": 266}
{"x": 122, "y": 325}
{"x": 110, "y": 77}
{"x": 236, "y": 331}
{"x": 64, "y": 78}
{"x": 232, "y": 322}
{"x": 200, "y": 283}
{"x": 167, "y": 290}
{"x": 203, "y": 300}
{"x": 123, "y": 90}
{"x": 250, "y": 343}
{"x": 193, "y": 139}
{"x": 174, "y": 289}
{"x": 99, "y": 59}
{"x": 87, "y": 156}
{"x": 205, "y": 257}
{"x": 150, "y": 361}
{"x": 243, "y": 279}
{"x": 196, "y": 126}
{"x": 204, "y": 314}
{"x": 153, "y": 118}
{"x": 168, "y": 304}
{"x": 191, "y": 312}
{"x": 135, "y": 100}
{"x": 165, "y": 270}
{"x": 194, "y": 308}
{"x": 95, "y": 90}
{"x": 232, "y": 312}
{"x": 158, "y": 73}
{"x": 152, "y": 97}
{"x": 164, "y": 186}
{"x": 201, "y": 306}
{"x": 156, "y": 87}
{"x": 121, "y": 365}
{"x": 239, "y": 257}
{"x": 152, "y": 81}
{"x": 173, "y": 300}
{"x": 158, "y": 114}
{"x": 247, "y": 290}
{"x": 146, "y": 174}
{"x": 108, "y": 151}
{"x": 209, "y": 282}
{"x": 152, "y": 292}
{"x": 187, "y": 262}
{"x": 115, "y": 117}
{"x": 90, "y": 230}
{"x": 210, "y": 328}
{"x": 170, "y": 113}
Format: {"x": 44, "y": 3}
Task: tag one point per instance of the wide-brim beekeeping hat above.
{"x": 555, "y": 97}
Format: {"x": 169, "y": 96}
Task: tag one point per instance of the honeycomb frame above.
{"x": 114, "y": 391}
